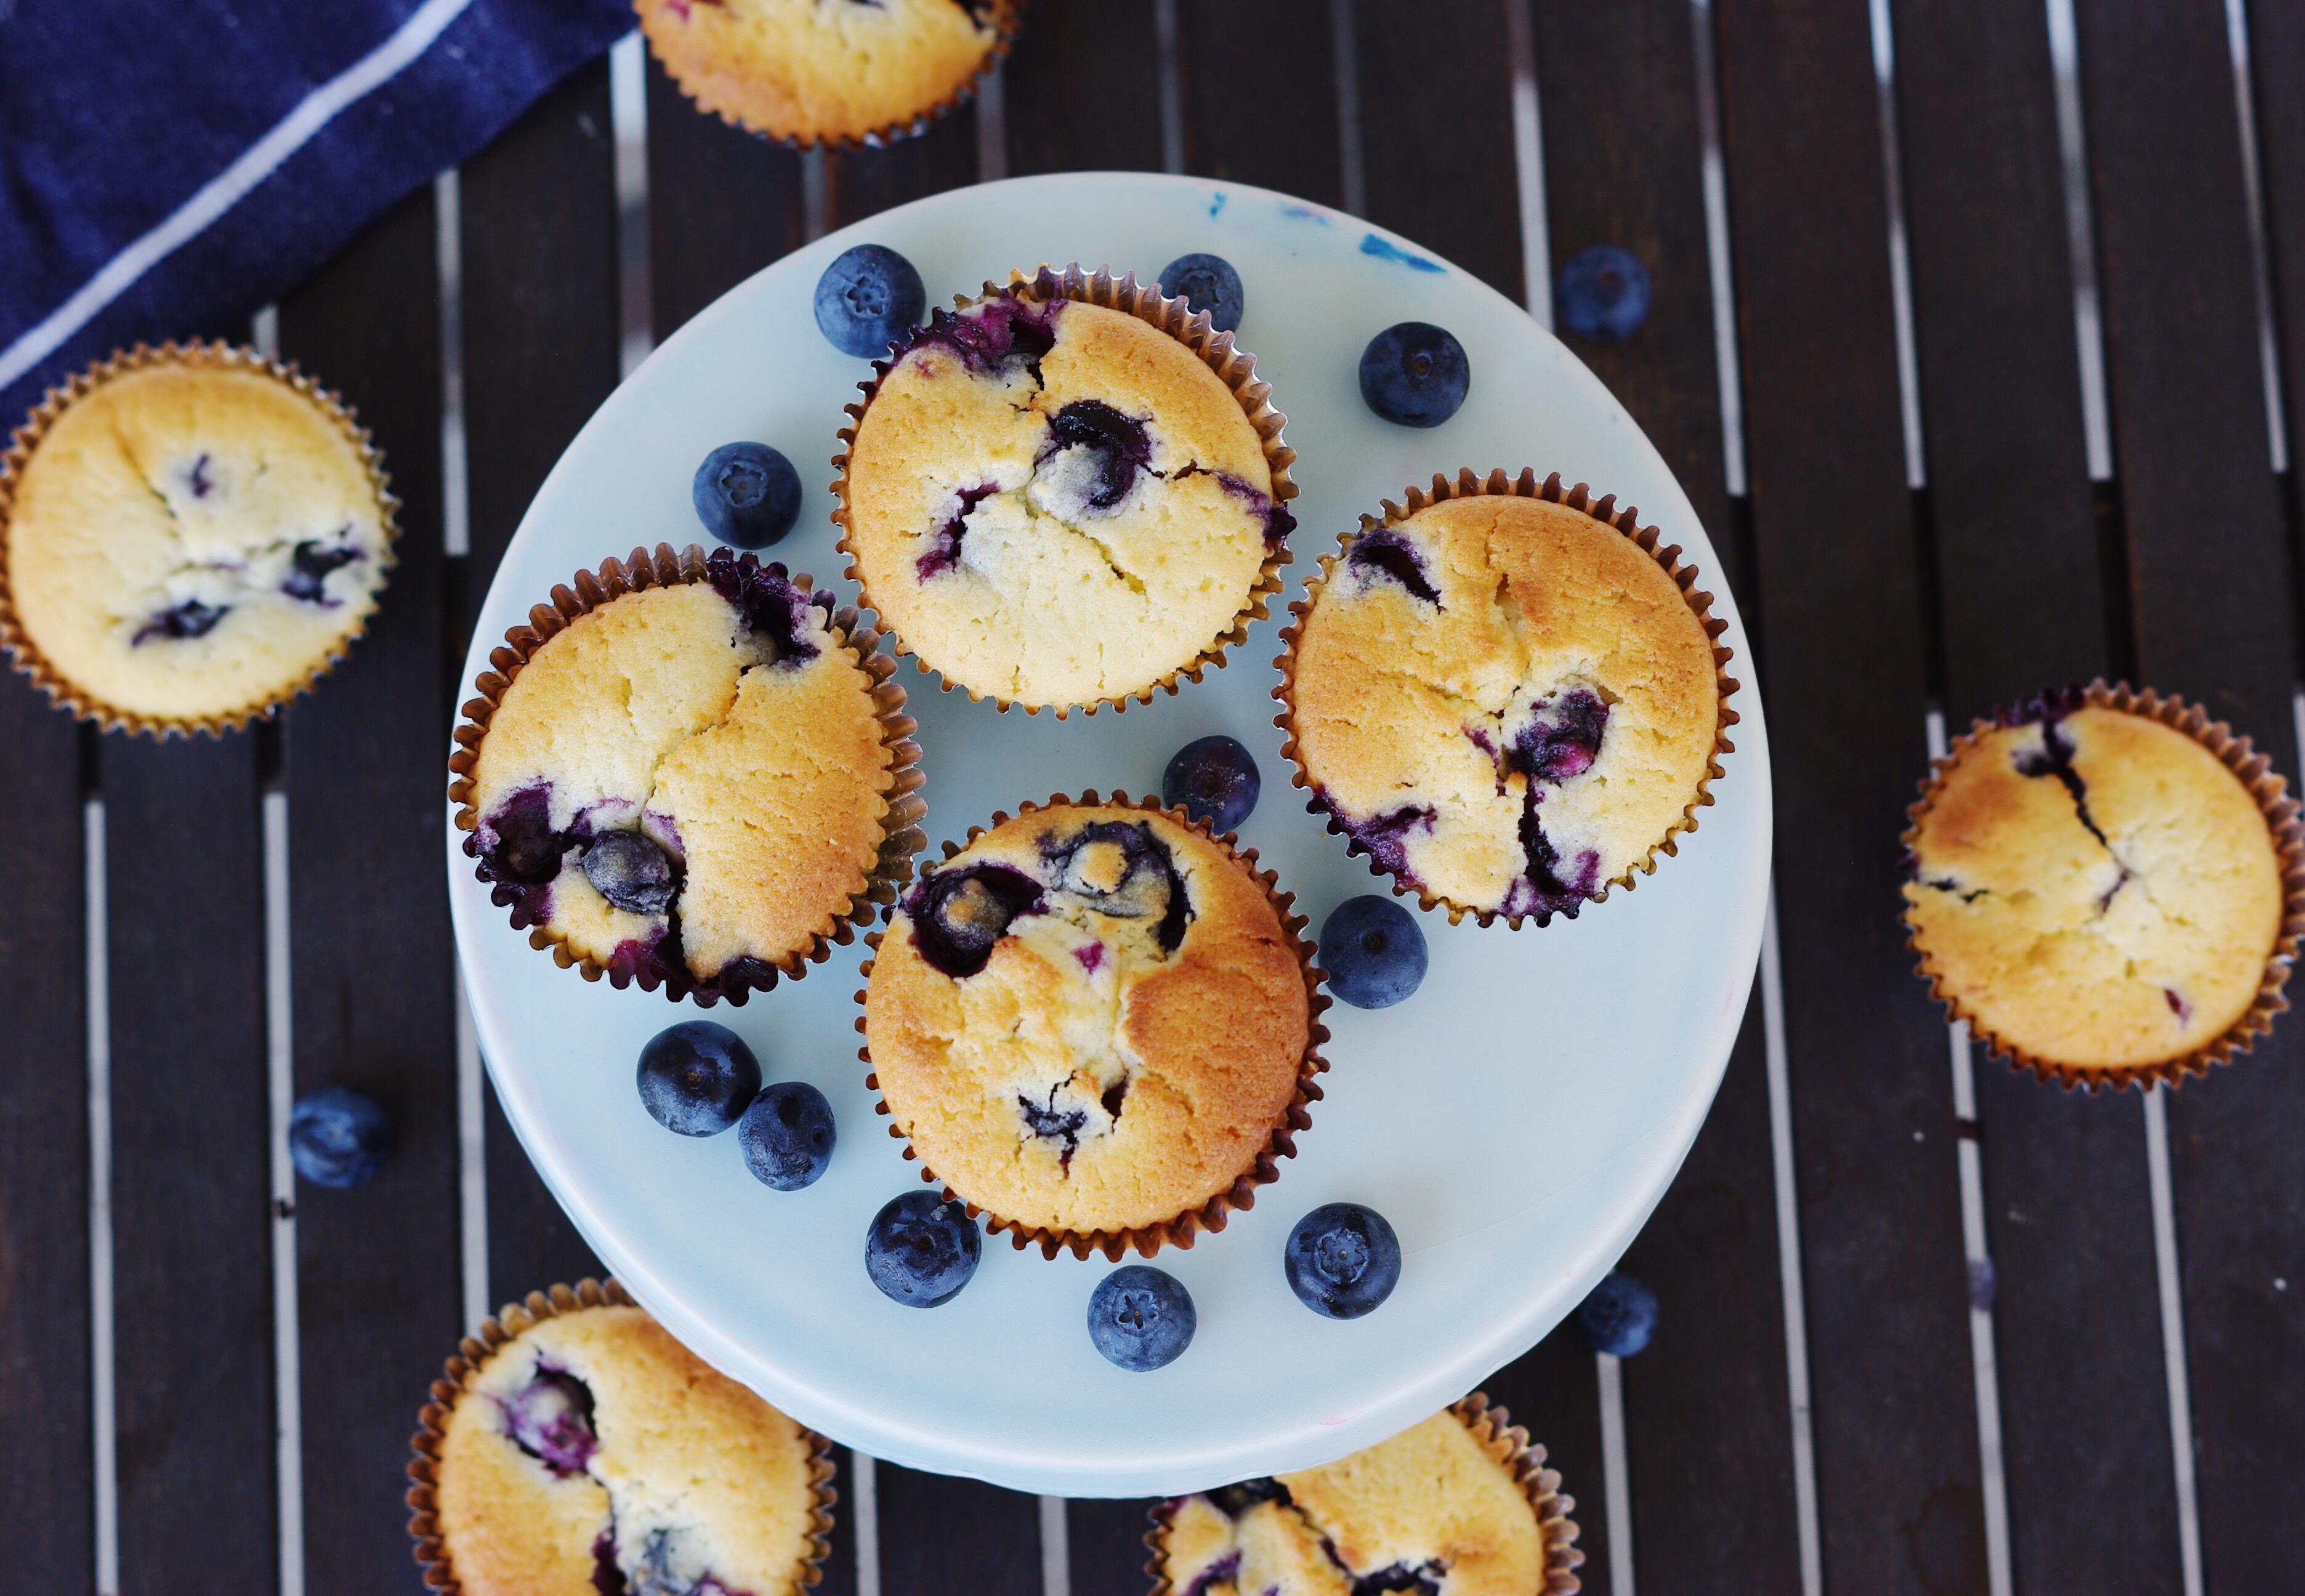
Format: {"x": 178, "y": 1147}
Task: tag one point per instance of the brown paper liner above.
{"x": 1237, "y": 371}
{"x": 2255, "y": 772}
{"x": 62, "y": 691}
{"x": 1602, "y": 510}
{"x": 1504, "y": 1440}
{"x": 1211, "y": 1216}
{"x": 1009, "y": 16}
{"x": 474, "y": 1350}
{"x": 901, "y": 836}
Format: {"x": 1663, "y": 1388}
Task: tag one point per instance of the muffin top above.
{"x": 194, "y": 541}
{"x": 1057, "y": 504}
{"x": 1433, "y": 1509}
{"x": 1505, "y": 702}
{"x": 1090, "y": 1019}
{"x": 593, "y": 1451}
{"x": 824, "y": 71}
{"x": 688, "y": 783}
{"x": 2094, "y": 888}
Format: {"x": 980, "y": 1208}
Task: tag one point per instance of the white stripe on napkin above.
{"x": 228, "y": 187}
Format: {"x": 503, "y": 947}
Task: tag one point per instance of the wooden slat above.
{"x": 2211, "y": 575}
{"x": 2278, "y": 56}
{"x": 940, "y": 1536}
{"x": 1437, "y": 132}
{"x": 370, "y": 963}
{"x": 1080, "y": 91}
{"x": 540, "y": 334}
{"x": 2023, "y": 609}
{"x": 191, "y": 1167}
{"x": 722, "y": 204}
{"x": 861, "y": 182}
{"x": 1885, "y": 1284}
{"x": 1244, "y": 123}
{"x": 45, "y": 1503}
{"x": 1105, "y": 1539}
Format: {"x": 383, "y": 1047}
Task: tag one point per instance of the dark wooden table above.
{"x": 1916, "y": 1336}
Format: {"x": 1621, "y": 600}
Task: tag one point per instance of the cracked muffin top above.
{"x": 1504, "y": 703}
{"x": 593, "y": 1454}
{"x": 194, "y": 542}
{"x": 1057, "y": 504}
{"x": 832, "y": 71}
{"x": 1091, "y": 1019}
{"x": 2093, "y": 888}
{"x": 688, "y": 783}
{"x": 1432, "y": 1511}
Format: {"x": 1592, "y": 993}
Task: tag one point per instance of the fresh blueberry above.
{"x": 337, "y": 1138}
{"x": 191, "y": 618}
{"x": 1343, "y": 1259}
{"x": 696, "y": 1077}
{"x": 746, "y": 494}
{"x": 921, "y": 1250}
{"x": 1374, "y": 951}
{"x": 631, "y": 872}
{"x": 1603, "y": 293}
{"x": 1215, "y": 779}
{"x": 786, "y": 1134}
{"x": 1621, "y": 1315}
{"x": 1140, "y": 1319}
{"x": 1206, "y": 283}
{"x": 1415, "y": 374}
{"x": 868, "y": 299}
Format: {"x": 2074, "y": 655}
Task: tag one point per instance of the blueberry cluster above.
{"x": 698, "y": 1078}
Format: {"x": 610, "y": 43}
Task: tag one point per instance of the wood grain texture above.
{"x": 1553, "y": 1391}
{"x": 2213, "y": 572}
{"x": 45, "y": 1503}
{"x": 1244, "y": 121}
{"x": 1106, "y": 1540}
{"x": 2022, "y": 607}
{"x": 191, "y": 1167}
{"x": 1884, "y": 1279}
{"x": 371, "y": 967}
{"x": 940, "y": 1535}
{"x": 1080, "y": 90}
{"x": 722, "y": 204}
{"x": 1437, "y": 132}
{"x": 859, "y": 182}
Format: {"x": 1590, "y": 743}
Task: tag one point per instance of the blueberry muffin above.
{"x": 1456, "y": 1505}
{"x": 590, "y": 1452}
{"x": 695, "y": 780}
{"x": 188, "y": 536}
{"x": 1058, "y": 502}
{"x": 1506, "y": 696}
{"x": 1094, "y": 1025}
{"x": 2097, "y": 890}
{"x": 828, "y": 71}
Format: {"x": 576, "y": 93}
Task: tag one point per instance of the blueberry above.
{"x": 1414, "y": 374}
{"x": 1621, "y": 1315}
{"x": 921, "y": 1250}
{"x": 1140, "y": 1319}
{"x": 1343, "y": 1259}
{"x": 337, "y": 1138}
{"x": 787, "y": 1135}
{"x": 1215, "y": 779}
{"x": 1374, "y": 951}
{"x": 746, "y": 494}
{"x": 1206, "y": 283}
{"x": 631, "y": 872}
{"x": 868, "y": 299}
{"x": 191, "y": 618}
{"x": 1603, "y": 293}
{"x": 696, "y": 1077}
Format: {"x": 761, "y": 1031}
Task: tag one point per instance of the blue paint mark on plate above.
{"x": 1216, "y": 204}
{"x": 1374, "y": 245}
{"x": 1306, "y": 213}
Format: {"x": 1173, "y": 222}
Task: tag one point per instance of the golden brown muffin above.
{"x": 828, "y": 71}
{"x": 690, "y": 784}
{"x": 193, "y": 536}
{"x": 2093, "y": 888}
{"x": 1441, "y": 1507}
{"x": 1505, "y": 701}
{"x": 593, "y": 1451}
{"x": 1091, "y": 1020}
{"x": 1059, "y": 504}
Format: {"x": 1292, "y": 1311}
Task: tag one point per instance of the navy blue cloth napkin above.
{"x": 166, "y": 167}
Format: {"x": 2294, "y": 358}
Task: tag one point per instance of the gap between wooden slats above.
{"x": 103, "y": 1388}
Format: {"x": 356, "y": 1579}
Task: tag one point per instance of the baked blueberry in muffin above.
{"x": 1092, "y": 1020}
{"x": 1504, "y": 699}
{"x": 1054, "y": 502}
{"x": 828, "y": 71}
{"x": 690, "y": 784}
{"x": 592, "y": 1453}
{"x": 2091, "y": 887}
